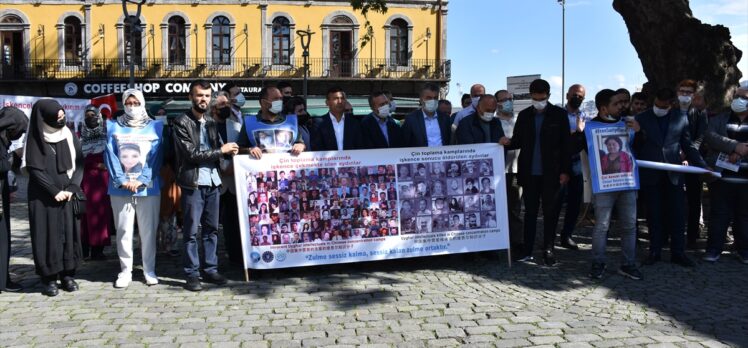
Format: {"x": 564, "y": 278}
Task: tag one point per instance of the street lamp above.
{"x": 134, "y": 22}
{"x": 306, "y": 37}
{"x": 563, "y": 47}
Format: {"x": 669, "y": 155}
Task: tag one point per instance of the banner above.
{"x": 612, "y": 163}
{"x": 351, "y": 206}
{"x": 73, "y": 107}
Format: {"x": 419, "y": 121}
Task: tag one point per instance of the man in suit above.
{"x": 481, "y": 126}
{"x": 662, "y": 134}
{"x": 380, "y": 130}
{"x": 337, "y": 131}
{"x": 425, "y": 126}
{"x": 542, "y": 136}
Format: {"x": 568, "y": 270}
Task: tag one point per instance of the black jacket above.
{"x": 186, "y": 133}
{"x": 323, "y": 138}
{"x": 555, "y": 143}
{"x": 414, "y": 129}
{"x": 469, "y": 130}
{"x": 373, "y": 137}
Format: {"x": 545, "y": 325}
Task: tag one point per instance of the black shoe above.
{"x": 568, "y": 243}
{"x": 548, "y": 258}
{"x": 598, "y": 270}
{"x": 50, "y": 289}
{"x": 193, "y": 284}
{"x": 682, "y": 260}
{"x": 652, "y": 259}
{"x": 11, "y": 286}
{"x": 214, "y": 278}
{"x": 630, "y": 272}
{"x": 69, "y": 285}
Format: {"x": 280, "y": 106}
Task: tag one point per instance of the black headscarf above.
{"x": 13, "y": 123}
{"x": 46, "y": 111}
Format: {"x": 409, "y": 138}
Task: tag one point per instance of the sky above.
{"x": 488, "y": 40}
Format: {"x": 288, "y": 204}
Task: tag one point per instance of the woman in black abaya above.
{"x": 54, "y": 161}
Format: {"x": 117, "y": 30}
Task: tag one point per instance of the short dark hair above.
{"x": 228, "y": 86}
{"x": 444, "y": 101}
{"x": 500, "y": 91}
{"x": 639, "y": 96}
{"x": 283, "y": 84}
{"x": 540, "y": 86}
{"x": 465, "y": 97}
{"x": 603, "y": 97}
{"x": 291, "y": 104}
{"x": 486, "y": 96}
{"x": 332, "y": 90}
{"x": 616, "y": 139}
{"x": 430, "y": 87}
{"x": 375, "y": 95}
{"x": 665, "y": 94}
{"x": 265, "y": 91}
{"x": 200, "y": 83}
{"x": 623, "y": 91}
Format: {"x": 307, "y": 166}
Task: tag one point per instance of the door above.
{"x": 11, "y": 53}
{"x": 341, "y": 52}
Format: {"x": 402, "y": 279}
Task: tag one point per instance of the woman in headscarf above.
{"x": 134, "y": 187}
{"x": 54, "y": 161}
{"x": 96, "y": 224}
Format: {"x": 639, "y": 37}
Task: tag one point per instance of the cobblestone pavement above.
{"x": 437, "y": 301}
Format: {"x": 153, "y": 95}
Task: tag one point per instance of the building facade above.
{"x": 74, "y": 48}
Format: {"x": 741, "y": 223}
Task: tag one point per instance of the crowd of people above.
{"x": 136, "y": 173}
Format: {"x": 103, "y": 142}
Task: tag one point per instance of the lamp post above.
{"x": 306, "y": 37}
{"x": 103, "y": 41}
{"x": 134, "y": 22}
{"x": 428, "y": 37}
{"x": 563, "y": 47}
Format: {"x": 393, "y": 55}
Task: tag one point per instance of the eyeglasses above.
{"x": 132, "y": 104}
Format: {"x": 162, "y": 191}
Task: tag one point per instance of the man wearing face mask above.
{"x": 542, "y": 134}
{"x": 482, "y": 126}
{"x": 476, "y": 91}
{"x": 13, "y": 123}
{"x": 661, "y": 134}
{"x": 297, "y": 106}
{"x": 337, "y": 130}
{"x": 269, "y": 119}
{"x": 379, "y": 128}
{"x": 505, "y": 113}
{"x": 425, "y": 126}
{"x": 728, "y": 135}
{"x": 236, "y": 98}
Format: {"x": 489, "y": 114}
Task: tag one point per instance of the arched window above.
{"x": 177, "y": 41}
{"x": 11, "y": 19}
{"x": 221, "y": 41}
{"x": 135, "y": 41}
{"x": 399, "y": 43}
{"x": 281, "y": 41}
{"x": 73, "y": 41}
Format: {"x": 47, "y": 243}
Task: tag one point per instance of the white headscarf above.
{"x": 135, "y": 116}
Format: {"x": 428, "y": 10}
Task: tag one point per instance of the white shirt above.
{"x": 339, "y": 128}
{"x": 433, "y": 131}
{"x": 510, "y": 163}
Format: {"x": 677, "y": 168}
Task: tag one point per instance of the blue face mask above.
{"x": 507, "y": 107}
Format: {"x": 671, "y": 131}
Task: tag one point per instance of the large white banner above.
{"x": 351, "y": 206}
{"x": 73, "y": 107}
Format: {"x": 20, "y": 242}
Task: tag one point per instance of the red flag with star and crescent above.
{"x": 107, "y": 104}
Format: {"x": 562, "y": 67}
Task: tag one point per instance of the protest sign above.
{"x": 351, "y": 206}
{"x": 612, "y": 164}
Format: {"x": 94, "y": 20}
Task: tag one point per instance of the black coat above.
{"x": 323, "y": 137}
{"x": 414, "y": 129}
{"x": 469, "y": 131}
{"x": 555, "y": 143}
{"x": 373, "y": 137}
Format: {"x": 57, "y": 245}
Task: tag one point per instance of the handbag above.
{"x": 79, "y": 204}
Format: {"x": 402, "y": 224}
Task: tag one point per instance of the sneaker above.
{"x": 526, "y": 259}
{"x": 598, "y": 270}
{"x": 711, "y": 256}
{"x": 123, "y": 280}
{"x": 215, "y": 278}
{"x": 151, "y": 279}
{"x": 743, "y": 256}
{"x": 630, "y": 271}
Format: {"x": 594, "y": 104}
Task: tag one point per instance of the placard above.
{"x": 351, "y": 206}
{"x": 612, "y": 163}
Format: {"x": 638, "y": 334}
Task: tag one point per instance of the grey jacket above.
{"x": 716, "y": 139}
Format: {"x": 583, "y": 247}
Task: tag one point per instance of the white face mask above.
{"x": 487, "y": 116}
{"x": 240, "y": 100}
{"x": 539, "y": 105}
{"x": 430, "y": 105}
{"x": 474, "y": 101}
{"x": 660, "y": 112}
{"x": 135, "y": 111}
{"x": 383, "y": 111}
{"x": 276, "y": 107}
{"x": 739, "y": 105}
{"x": 393, "y": 105}
{"x": 684, "y": 100}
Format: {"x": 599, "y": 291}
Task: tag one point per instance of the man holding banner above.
{"x": 271, "y": 124}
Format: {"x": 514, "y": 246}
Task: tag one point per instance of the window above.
{"x": 135, "y": 41}
{"x": 399, "y": 43}
{"x": 177, "y": 40}
{"x": 73, "y": 41}
{"x": 221, "y": 41}
{"x": 281, "y": 41}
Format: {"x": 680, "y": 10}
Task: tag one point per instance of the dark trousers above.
{"x": 540, "y": 189}
{"x": 200, "y": 208}
{"x": 729, "y": 203}
{"x": 5, "y": 232}
{"x": 694, "y": 186}
{"x": 230, "y": 222}
{"x": 571, "y": 193}
{"x": 514, "y": 202}
{"x": 666, "y": 203}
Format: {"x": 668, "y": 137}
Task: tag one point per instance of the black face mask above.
{"x": 93, "y": 122}
{"x": 54, "y": 123}
{"x": 224, "y": 112}
{"x": 575, "y": 102}
{"x": 303, "y": 118}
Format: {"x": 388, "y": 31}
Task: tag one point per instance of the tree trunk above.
{"x": 673, "y": 45}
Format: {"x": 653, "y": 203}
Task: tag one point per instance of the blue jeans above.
{"x": 729, "y": 203}
{"x": 200, "y": 209}
{"x": 625, "y": 203}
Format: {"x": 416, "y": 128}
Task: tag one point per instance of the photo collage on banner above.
{"x": 447, "y": 196}
{"x": 321, "y": 205}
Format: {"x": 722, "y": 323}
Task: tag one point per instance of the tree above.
{"x": 379, "y": 6}
{"x": 673, "y": 45}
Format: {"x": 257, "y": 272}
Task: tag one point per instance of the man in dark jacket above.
{"x": 662, "y": 136}
{"x": 199, "y": 152}
{"x": 425, "y": 126}
{"x": 481, "y": 126}
{"x": 380, "y": 130}
{"x": 542, "y": 135}
{"x": 337, "y": 131}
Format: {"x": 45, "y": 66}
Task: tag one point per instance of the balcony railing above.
{"x": 257, "y": 68}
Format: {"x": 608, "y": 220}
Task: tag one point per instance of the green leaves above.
{"x": 378, "y": 6}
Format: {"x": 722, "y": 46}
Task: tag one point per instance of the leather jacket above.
{"x": 189, "y": 157}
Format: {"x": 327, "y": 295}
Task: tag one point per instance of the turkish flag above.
{"x": 107, "y": 104}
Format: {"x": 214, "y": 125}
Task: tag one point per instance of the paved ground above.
{"x": 437, "y": 301}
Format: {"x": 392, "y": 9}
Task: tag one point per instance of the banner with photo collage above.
{"x": 351, "y": 206}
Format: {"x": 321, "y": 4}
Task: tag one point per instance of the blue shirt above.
{"x": 208, "y": 174}
{"x": 433, "y": 131}
{"x": 383, "y": 127}
{"x": 537, "y": 158}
